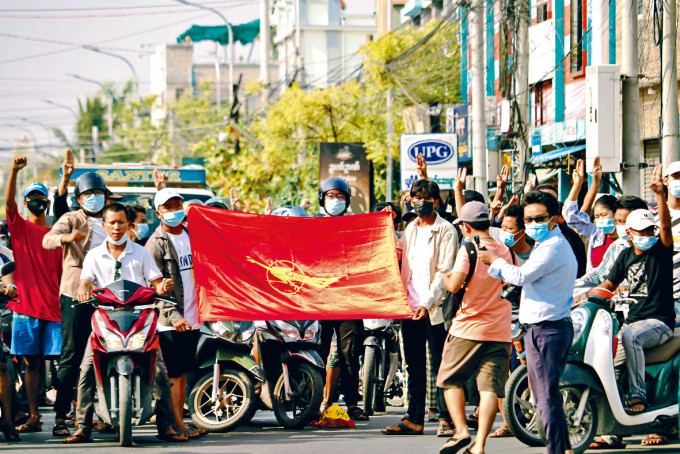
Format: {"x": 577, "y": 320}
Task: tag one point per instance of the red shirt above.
{"x": 38, "y": 270}
{"x": 597, "y": 254}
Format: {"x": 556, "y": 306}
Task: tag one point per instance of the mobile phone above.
{"x": 479, "y": 245}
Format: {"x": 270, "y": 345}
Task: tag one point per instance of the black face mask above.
{"x": 37, "y": 207}
{"x": 423, "y": 208}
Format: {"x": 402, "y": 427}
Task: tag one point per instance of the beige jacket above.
{"x": 73, "y": 253}
{"x": 442, "y": 248}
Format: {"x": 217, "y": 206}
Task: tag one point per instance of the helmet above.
{"x": 218, "y": 202}
{"x": 288, "y": 210}
{"x": 334, "y": 183}
{"x": 88, "y": 181}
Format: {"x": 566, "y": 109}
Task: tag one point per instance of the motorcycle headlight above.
{"x": 579, "y": 319}
{"x": 247, "y": 334}
{"x": 311, "y": 331}
{"x": 288, "y": 331}
{"x": 113, "y": 341}
{"x": 224, "y": 330}
{"x": 136, "y": 342}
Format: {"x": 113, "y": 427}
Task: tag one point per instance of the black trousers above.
{"x": 350, "y": 335}
{"x": 75, "y": 333}
{"x": 415, "y": 334}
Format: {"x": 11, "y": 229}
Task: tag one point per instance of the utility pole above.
{"x": 299, "y": 58}
{"x": 523, "y": 16}
{"x": 95, "y": 143}
{"x": 264, "y": 42}
{"x": 669, "y": 86}
{"x": 390, "y": 120}
{"x": 631, "y": 99}
{"x": 478, "y": 99}
{"x": 600, "y": 34}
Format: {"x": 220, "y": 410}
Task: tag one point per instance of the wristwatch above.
{"x": 11, "y": 286}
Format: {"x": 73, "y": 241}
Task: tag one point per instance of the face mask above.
{"x": 37, "y": 206}
{"x": 508, "y": 238}
{"x": 537, "y": 230}
{"x": 644, "y": 243}
{"x": 93, "y": 203}
{"x": 174, "y": 218}
{"x": 423, "y": 208}
{"x": 335, "y": 207}
{"x": 674, "y": 188}
{"x": 621, "y": 231}
{"x": 606, "y": 225}
{"x": 119, "y": 242}
{"x": 142, "y": 231}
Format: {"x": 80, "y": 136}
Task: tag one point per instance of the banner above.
{"x": 348, "y": 161}
{"x": 258, "y": 267}
{"x": 441, "y": 155}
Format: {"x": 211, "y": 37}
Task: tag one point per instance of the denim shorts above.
{"x": 32, "y": 336}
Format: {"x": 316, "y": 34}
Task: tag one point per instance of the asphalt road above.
{"x": 263, "y": 435}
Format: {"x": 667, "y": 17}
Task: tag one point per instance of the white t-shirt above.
{"x": 98, "y": 233}
{"x": 419, "y": 285}
{"x": 186, "y": 268}
{"x": 137, "y": 265}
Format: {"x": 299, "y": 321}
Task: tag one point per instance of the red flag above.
{"x": 259, "y": 267}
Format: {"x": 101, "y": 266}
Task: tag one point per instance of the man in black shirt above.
{"x": 648, "y": 268}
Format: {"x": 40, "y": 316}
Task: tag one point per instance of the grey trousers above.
{"x": 87, "y": 387}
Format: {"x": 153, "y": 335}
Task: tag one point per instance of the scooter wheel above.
{"x": 300, "y": 409}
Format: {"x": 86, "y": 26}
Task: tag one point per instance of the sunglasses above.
{"x": 117, "y": 267}
{"x": 528, "y": 220}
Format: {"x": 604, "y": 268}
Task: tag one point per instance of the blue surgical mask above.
{"x": 537, "y": 230}
{"x": 142, "y": 231}
{"x": 674, "y": 188}
{"x": 621, "y": 231}
{"x": 606, "y": 225}
{"x": 119, "y": 242}
{"x": 644, "y": 243}
{"x": 93, "y": 203}
{"x": 508, "y": 238}
{"x": 173, "y": 218}
{"x": 335, "y": 207}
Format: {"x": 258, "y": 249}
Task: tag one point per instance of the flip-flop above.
{"x": 601, "y": 443}
{"x": 454, "y": 445}
{"x": 502, "y": 432}
{"x": 26, "y": 428}
{"x": 174, "y": 438}
{"x": 403, "y": 430}
{"x": 60, "y": 429}
{"x": 661, "y": 438}
{"x": 445, "y": 430}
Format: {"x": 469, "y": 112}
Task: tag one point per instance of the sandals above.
{"x": 445, "y": 430}
{"x": 174, "y": 438}
{"x": 502, "y": 432}
{"x": 655, "y": 440}
{"x": 29, "y": 428}
{"x": 403, "y": 430}
{"x": 357, "y": 414}
{"x": 636, "y": 407}
{"x": 453, "y": 445}
{"x": 190, "y": 433}
{"x": 77, "y": 438}
{"x": 10, "y": 433}
{"x": 59, "y": 429}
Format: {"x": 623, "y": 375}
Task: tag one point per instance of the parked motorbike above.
{"x": 293, "y": 388}
{"x": 380, "y": 363}
{"x": 592, "y": 395}
{"x": 125, "y": 351}
{"x": 224, "y": 396}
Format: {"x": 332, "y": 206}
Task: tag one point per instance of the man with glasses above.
{"x": 548, "y": 279}
{"x": 115, "y": 259}
{"x": 75, "y": 234}
{"x": 36, "y": 330}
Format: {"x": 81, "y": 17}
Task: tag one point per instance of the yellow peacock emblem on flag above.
{"x": 288, "y": 278}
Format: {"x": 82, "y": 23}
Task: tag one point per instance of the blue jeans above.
{"x": 635, "y": 337}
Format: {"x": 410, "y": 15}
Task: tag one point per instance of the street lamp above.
{"x": 135, "y": 85}
{"x": 63, "y": 106}
{"x": 231, "y": 51}
{"x": 42, "y": 125}
{"x": 109, "y": 109}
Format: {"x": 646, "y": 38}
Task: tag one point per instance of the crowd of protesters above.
{"x": 455, "y": 258}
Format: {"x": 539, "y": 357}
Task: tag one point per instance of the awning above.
{"x": 556, "y": 154}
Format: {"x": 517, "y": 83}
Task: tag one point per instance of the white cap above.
{"x": 164, "y": 195}
{"x": 673, "y": 167}
{"x": 640, "y": 220}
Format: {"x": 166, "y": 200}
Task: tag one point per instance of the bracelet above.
{"x": 11, "y": 286}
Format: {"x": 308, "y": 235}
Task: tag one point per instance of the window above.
{"x": 576, "y": 53}
{"x": 538, "y": 105}
{"x": 541, "y": 12}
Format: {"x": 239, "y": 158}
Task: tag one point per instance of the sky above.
{"x": 41, "y": 48}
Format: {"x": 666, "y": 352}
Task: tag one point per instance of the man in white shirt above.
{"x": 115, "y": 259}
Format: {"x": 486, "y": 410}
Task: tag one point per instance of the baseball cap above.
{"x": 674, "y": 167}
{"x": 164, "y": 195}
{"x": 640, "y": 220}
{"x": 473, "y": 212}
{"x": 35, "y": 186}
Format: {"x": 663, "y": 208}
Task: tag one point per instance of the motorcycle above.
{"x": 591, "y": 392}
{"x": 125, "y": 350}
{"x": 224, "y": 397}
{"x": 380, "y": 364}
{"x": 293, "y": 387}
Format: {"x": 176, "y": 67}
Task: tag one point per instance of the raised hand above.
{"x": 502, "y": 178}
{"x": 657, "y": 180}
{"x": 577, "y": 174}
{"x": 235, "y": 201}
{"x": 160, "y": 179}
{"x": 68, "y": 165}
{"x": 459, "y": 184}
{"x": 269, "y": 208}
{"x": 501, "y": 214}
{"x": 597, "y": 168}
{"x": 532, "y": 182}
{"x": 422, "y": 166}
{"x": 19, "y": 162}
{"x": 306, "y": 204}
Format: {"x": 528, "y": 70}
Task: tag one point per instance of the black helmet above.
{"x": 218, "y": 202}
{"x": 88, "y": 181}
{"x": 334, "y": 183}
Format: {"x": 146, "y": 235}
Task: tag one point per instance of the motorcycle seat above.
{"x": 663, "y": 352}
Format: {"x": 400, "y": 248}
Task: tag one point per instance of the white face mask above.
{"x": 119, "y": 242}
{"x": 621, "y": 231}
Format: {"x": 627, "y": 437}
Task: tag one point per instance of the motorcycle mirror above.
{"x": 8, "y": 268}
